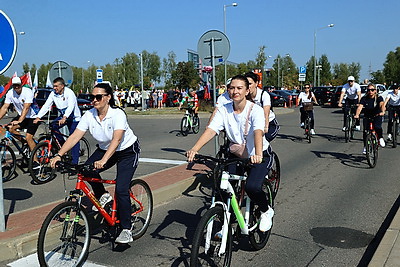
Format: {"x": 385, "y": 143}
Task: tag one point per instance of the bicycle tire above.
{"x": 44, "y": 173}
{"x": 347, "y": 130}
{"x": 196, "y": 124}
{"x": 184, "y": 126}
{"x": 274, "y": 175}
{"x": 257, "y": 238}
{"x": 64, "y": 237}
{"x": 307, "y": 128}
{"x": 352, "y": 128}
{"x": 372, "y": 150}
{"x": 8, "y": 162}
{"x": 200, "y": 257}
{"x": 395, "y": 132}
{"x": 84, "y": 150}
{"x": 141, "y": 198}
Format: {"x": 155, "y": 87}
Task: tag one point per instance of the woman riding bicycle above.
{"x": 117, "y": 144}
{"x": 305, "y": 99}
{"x": 263, "y": 99}
{"x": 374, "y": 110}
{"x": 236, "y": 118}
{"x": 393, "y": 98}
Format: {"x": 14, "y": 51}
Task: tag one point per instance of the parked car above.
{"x": 336, "y": 96}
{"x": 324, "y": 94}
{"x": 287, "y": 95}
{"x": 276, "y": 100}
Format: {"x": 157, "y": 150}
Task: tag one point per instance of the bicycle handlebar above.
{"x": 203, "y": 158}
{"x": 71, "y": 167}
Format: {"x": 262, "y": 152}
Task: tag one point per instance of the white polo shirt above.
{"x": 103, "y": 131}
{"x": 394, "y": 100}
{"x": 234, "y": 124}
{"x": 18, "y": 101}
{"x": 351, "y": 92}
{"x": 223, "y": 99}
{"x": 266, "y": 101}
{"x": 66, "y": 103}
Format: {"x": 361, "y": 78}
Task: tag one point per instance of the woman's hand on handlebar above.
{"x": 191, "y": 154}
{"x": 255, "y": 159}
{"x": 54, "y": 160}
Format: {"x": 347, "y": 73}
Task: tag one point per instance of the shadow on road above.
{"x": 351, "y": 160}
{"x": 341, "y": 237}
{"x": 15, "y": 194}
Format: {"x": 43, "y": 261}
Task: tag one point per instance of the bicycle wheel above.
{"x": 64, "y": 237}
{"x": 259, "y": 239}
{"x": 347, "y": 130}
{"x": 372, "y": 150}
{"x": 395, "y": 132}
{"x": 207, "y": 240}
{"x": 43, "y": 173}
{"x": 184, "y": 126}
{"x": 307, "y": 128}
{"x": 8, "y": 162}
{"x": 352, "y": 127}
{"x": 196, "y": 124}
{"x": 142, "y": 207}
{"x": 274, "y": 175}
{"x": 84, "y": 150}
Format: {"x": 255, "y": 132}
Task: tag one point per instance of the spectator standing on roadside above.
{"x": 160, "y": 95}
{"x": 154, "y": 95}
{"x": 146, "y": 99}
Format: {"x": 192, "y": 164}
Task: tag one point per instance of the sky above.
{"x": 100, "y": 31}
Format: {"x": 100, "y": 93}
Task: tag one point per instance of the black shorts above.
{"x": 28, "y": 124}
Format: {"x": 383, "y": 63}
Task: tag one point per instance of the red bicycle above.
{"x": 65, "y": 235}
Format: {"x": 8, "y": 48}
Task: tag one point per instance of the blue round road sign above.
{"x": 8, "y": 44}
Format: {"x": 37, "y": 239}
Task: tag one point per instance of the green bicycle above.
{"x": 190, "y": 121}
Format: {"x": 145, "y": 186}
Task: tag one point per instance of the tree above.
{"x": 185, "y": 76}
{"x": 391, "y": 67}
{"x": 151, "y": 66}
{"x": 261, "y": 58}
{"x": 325, "y": 73}
{"x": 378, "y": 77}
{"x": 169, "y": 65}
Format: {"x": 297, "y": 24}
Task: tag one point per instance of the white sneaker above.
{"x": 364, "y": 151}
{"x": 104, "y": 199}
{"x": 124, "y": 237}
{"x": 389, "y": 137}
{"x": 382, "y": 142}
{"x": 312, "y": 132}
{"x": 358, "y": 128}
{"x": 344, "y": 129}
{"x": 302, "y": 125}
{"x": 266, "y": 220}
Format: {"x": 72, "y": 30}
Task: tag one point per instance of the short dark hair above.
{"x": 252, "y": 75}
{"x": 241, "y": 78}
{"x": 59, "y": 80}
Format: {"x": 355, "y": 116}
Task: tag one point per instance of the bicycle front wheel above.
{"x": 41, "y": 171}
{"x": 307, "y": 127}
{"x": 372, "y": 150}
{"x": 259, "y": 239}
{"x": 395, "y": 132}
{"x": 184, "y": 126}
{"x": 196, "y": 124}
{"x": 207, "y": 240}
{"x": 64, "y": 237}
{"x": 142, "y": 207}
{"x": 348, "y": 129}
{"x": 8, "y": 162}
{"x": 274, "y": 175}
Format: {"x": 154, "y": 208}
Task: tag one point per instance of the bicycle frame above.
{"x": 189, "y": 116}
{"x": 81, "y": 186}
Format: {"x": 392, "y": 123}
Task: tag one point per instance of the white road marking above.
{"x": 164, "y": 161}
{"x": 32, "y": 261}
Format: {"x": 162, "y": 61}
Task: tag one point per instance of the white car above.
{"x": 381, "y": 90}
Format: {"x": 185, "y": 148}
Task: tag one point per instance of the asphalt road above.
{"x": 329, "y": 208}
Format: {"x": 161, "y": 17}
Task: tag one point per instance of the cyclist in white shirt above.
{"x": 67, "y": 105}
{"x": 353, "y": 92}
{"x": 393, "y": 99}
{"x": 306, "y": 97}
{"x": 22, "y": 99}
{"x": 117, "y": 145}
{"x": 263, "y": 99}
{"x": 232, "y": 118}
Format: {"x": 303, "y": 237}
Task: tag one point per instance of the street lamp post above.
{"x": 319, "y": 67}
{"x": 279, "y": 68}
{"x": 141, "y": 82}
{"x": 315, "y": 47}
{"x": 225, "y": 6}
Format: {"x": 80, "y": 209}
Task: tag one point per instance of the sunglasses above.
{"x": 371, "y": 90}
{"x": 98, "y": 97}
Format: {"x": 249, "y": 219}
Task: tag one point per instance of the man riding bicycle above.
{"x": 22, "y": 99}
{"x": 192, "y": 102}
{"x": 374, "y": 110}
{"x": 353, "y": 92}
{"x": 393, "y": 99}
